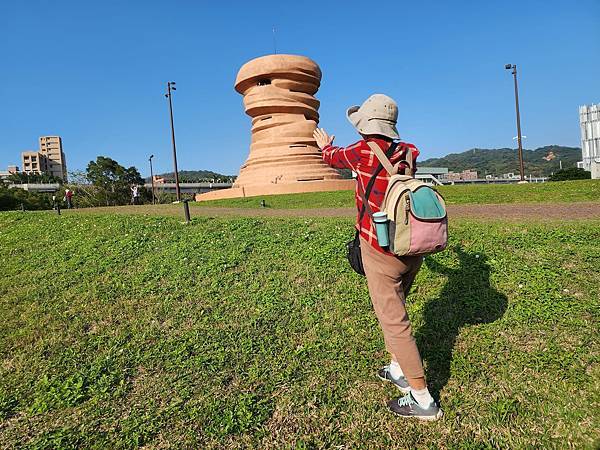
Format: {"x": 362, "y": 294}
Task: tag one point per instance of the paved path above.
{"x": 508, "y": 211}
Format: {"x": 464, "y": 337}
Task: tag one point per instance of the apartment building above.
{"x": 465, "y": 175}
{"x": 49, "y": 159}
{"x": 7, "y": 173}
{"x": 33, "y": 162}
{"x": 51, "y": 147}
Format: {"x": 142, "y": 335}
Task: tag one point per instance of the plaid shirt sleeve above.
{"x": 342, "y": 158}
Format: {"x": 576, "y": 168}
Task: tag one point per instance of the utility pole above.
{"x": 171, "y": 87}
{"x": 519, "y": 139}
{"x": 152, "y": 180}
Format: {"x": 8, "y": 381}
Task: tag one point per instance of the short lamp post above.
{"x": 152, "y": 179}
{"x": 513, "y": 67}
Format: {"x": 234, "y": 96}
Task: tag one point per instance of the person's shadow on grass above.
{"x": 467, "y": 298}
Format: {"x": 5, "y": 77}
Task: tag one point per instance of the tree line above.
{"x": 105, "y": 182}
{"x": 196, "y": 176}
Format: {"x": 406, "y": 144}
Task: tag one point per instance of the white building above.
{"x": 589, "y": 120}
{"x": 432, "y": 175}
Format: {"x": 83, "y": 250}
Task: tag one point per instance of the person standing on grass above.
{"x": 389, "y": 277}
{"x": 69, "y": 198}
{"x": 135, "y": 194}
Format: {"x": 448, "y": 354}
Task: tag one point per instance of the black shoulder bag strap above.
{"x": 389, "y": 152}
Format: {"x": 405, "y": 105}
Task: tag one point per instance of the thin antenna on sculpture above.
{"x": 274, "y": 41}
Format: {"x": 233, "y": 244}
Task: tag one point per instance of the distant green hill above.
{"x": 505, "y": 160}
{"x": 194, "y": 176}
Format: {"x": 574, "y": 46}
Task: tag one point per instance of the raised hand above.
{"x": 322, "y": 138}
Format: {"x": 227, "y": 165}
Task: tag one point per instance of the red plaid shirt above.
{"x": 359, "y": 158}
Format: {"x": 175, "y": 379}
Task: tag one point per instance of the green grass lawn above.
{"x": 126, "y": 331}
{"x": 565, "y": 191}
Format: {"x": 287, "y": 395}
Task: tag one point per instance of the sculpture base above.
{"x": 277, "y": 189}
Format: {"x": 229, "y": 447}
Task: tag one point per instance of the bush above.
{"x": 572, "y": 173}
{"x": 12, "y": 199}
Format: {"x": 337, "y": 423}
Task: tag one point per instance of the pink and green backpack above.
{"x": 418, "y": 224}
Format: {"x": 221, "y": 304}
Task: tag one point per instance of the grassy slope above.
{"x": 253, "y": 332}
{"x": 567, "y": 191}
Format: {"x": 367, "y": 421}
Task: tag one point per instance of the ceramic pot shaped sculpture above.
{"x": 278, "y": 94}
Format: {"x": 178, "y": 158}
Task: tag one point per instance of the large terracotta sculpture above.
{"x": 278, "y": 94}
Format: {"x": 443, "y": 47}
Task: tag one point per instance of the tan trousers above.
{"x": 389, "y": 279}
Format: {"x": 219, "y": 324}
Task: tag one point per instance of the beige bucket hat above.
{"x": 377, "y": 115}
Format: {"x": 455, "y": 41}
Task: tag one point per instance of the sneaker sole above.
{"x": 400, "y": 388}
{"x": 437, "y": 416}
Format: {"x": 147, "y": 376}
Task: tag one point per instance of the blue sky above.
{"x": 95, "y": 72}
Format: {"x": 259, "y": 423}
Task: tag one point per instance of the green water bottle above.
{"x": 381, "y": 227}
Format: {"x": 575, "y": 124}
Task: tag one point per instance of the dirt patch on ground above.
{"x": 518, "y": 211}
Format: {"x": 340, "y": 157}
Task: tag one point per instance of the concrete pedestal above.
{"x": 276, "y": 189}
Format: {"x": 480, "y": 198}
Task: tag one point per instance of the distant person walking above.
{"x": 135, "y": 194}
{"x": 389, "y": 277}
{"x": 69, "y": 198}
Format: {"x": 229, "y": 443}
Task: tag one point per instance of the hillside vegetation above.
{"x": 195, "y": 176}
{"x": 505, "y": 160}
{"x": 130, "y": 331}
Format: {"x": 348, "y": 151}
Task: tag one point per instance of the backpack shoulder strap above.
{"x": 383, "y": 159}
{"x": 365, "y": 195}
{"x": 409, "y": 160}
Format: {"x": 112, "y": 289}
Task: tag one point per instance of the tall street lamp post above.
{"x": 152, "y": 179}
{"x": 171, "y": 87}
{"x": 519, "y": 138}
